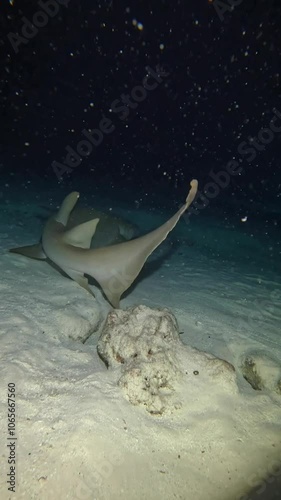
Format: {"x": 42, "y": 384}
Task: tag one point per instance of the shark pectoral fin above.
{"x": 114, "y": 301}
{"x": 81, "y": 236}
{"x": 79, "y": 278}
{"x": 31, "y": 251}
{"x": 114, "y": 281}
{"x": 112, "y": 296}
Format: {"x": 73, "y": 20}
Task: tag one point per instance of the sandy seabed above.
{"x": 77, "y": 437}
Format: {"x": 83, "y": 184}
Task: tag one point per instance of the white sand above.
{"x": 78, "y": 438}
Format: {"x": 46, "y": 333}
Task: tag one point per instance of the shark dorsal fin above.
{"x": 81, "y": 236}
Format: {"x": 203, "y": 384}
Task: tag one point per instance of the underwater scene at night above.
{"x": 140, "y": 250}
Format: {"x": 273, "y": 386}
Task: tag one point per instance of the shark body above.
{"x": 114, "y": 267}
